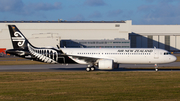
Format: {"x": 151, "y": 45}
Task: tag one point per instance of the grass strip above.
{"x": 96, "y": 86}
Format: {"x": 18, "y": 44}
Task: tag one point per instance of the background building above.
{"x": 49, "y": 33}
{"x": 90, "y": 34}
{"x": 116, "y": 43}
{"x": 160, "y": 36}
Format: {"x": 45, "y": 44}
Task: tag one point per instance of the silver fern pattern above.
{"x": 44, "y": 55}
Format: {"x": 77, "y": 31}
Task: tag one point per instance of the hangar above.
{"x": 160, "y": 36}
{"x": 94, "y": 34}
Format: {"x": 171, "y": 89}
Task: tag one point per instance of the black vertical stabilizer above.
{"x": 19, "y": 41}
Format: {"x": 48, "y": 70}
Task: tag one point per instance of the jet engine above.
{"x": 105, "y": 64}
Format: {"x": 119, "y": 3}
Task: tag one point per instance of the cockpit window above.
{"x": 167, "y": 53}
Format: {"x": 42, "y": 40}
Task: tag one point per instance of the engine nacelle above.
{"x": 105, "y": 64}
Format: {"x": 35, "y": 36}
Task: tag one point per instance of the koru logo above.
{"x": 18, "y": 37}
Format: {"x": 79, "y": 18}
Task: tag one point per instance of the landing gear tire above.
{"x": 156, "y": 67}
{"x": 92, "y": 68}
{"x": 88, "y": 69}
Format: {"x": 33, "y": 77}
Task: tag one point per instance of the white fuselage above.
{"x": 122, "y": 55}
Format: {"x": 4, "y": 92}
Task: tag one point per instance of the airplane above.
{"x": 94, "y": 58}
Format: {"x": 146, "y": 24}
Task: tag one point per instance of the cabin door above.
{"x": 156, "y": 54}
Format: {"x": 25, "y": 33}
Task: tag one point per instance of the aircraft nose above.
{"x": 173, "y": 58}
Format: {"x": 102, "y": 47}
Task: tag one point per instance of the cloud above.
{"x": 35, "y": 8}
{"x": 95, "y": 14}
{"x": 115, "y": 13}
{"x": 78, "y": 17}
{"x": 160, "y": 13}
{"x": 94, "y": 3}
{"x": 45, "y": 6}
{"x": 18, "y": 7}
{"x": 11, "y": 5}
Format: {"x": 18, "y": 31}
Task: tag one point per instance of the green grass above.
{"x": 88, "y": 86}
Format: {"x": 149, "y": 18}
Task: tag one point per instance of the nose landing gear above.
{"x": 156, "y": 67}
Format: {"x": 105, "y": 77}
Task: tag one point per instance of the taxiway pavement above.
{"x": 77, "y": 67}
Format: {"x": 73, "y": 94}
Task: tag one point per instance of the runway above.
{"x": 77, "y": 67}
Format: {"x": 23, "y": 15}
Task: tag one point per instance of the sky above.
{"x": 141, "y": 12}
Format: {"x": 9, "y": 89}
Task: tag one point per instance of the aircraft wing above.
{"x": 86, "y": 59}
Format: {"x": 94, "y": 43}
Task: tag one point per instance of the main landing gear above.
{"x": 90, "y": 68}
{"x": 156, "y": 67}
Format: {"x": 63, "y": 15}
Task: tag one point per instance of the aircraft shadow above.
{"x": 119, "y": 69}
